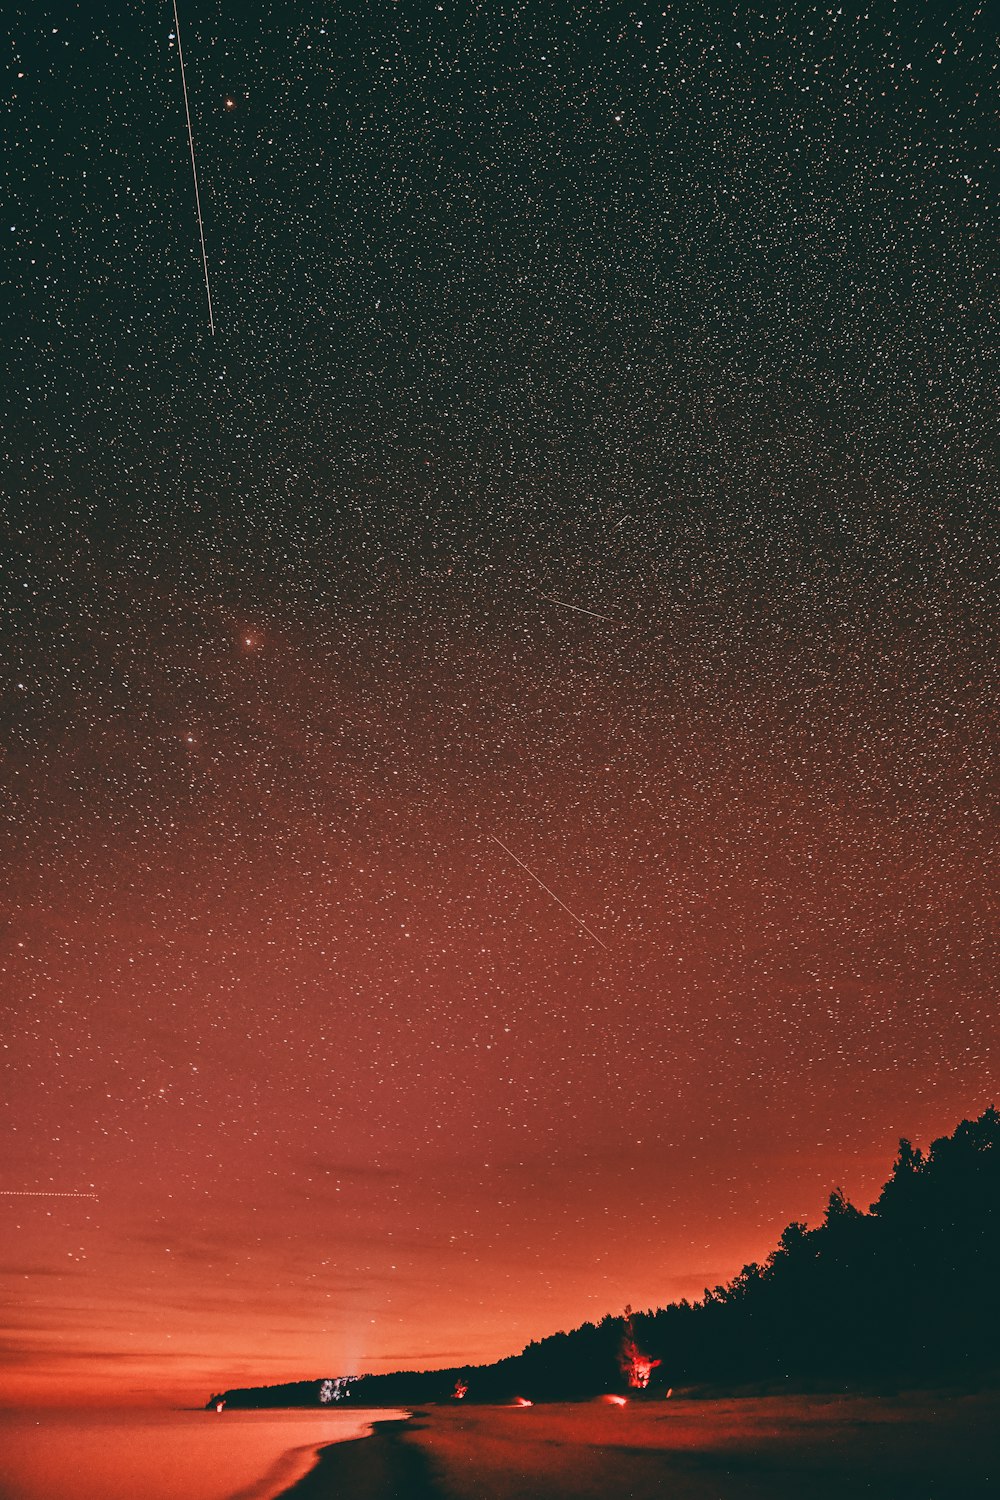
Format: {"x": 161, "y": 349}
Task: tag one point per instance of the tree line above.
{"x": 907, "y": 1292}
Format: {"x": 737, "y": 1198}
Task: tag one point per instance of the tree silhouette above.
{"x": 908, "y": 1291}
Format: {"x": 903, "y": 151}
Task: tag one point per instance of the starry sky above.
{"x": 592, "y": 471}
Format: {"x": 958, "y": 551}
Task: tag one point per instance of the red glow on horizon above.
{"x": 522, "y": 1401}
{"x": 183, "y": 931}
{"x": 614, "y": 1400}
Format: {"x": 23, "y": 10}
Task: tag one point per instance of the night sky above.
{"x": 595, "y": 457}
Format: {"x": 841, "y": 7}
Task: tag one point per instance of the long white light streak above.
{"x": 194, "y": 170}
{"x": 578, "y": 920}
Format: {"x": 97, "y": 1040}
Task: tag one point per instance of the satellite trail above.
{"x": 578, "y": 920}
{"x": 578, "y": 607}
{"x": 194, "y": 169}
{"x": 38, "y": 1193}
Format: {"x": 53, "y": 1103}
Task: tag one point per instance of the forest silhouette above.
{"x": 907, "y": 1293}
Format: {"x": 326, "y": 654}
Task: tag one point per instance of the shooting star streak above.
{"x": 579, "y": 608}
{"x": 36, "y": 1193}
{"x": 194, "y": 169}
{"x": 578, "y": 920}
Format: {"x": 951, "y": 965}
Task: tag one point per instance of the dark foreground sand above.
{"x": 775, "y": 1448}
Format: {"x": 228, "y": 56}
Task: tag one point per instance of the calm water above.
{"x": 165, "y": 1455}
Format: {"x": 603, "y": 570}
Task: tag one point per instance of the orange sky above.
{"x": 588, "y": 464}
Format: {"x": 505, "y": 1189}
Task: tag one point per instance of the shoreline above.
{"x": 162, "y": 1453}
{"x": 932, "y": 1447}
{"x": 379, "y": 1466}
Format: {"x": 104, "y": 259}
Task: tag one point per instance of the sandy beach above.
{"x": 775, "y": 1448}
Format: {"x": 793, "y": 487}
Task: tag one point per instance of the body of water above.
{"x": 166, "y": 1455}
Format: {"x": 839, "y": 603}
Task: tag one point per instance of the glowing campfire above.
{"x": 635, "y": 1366}
{"x": 460, "y": 1392}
